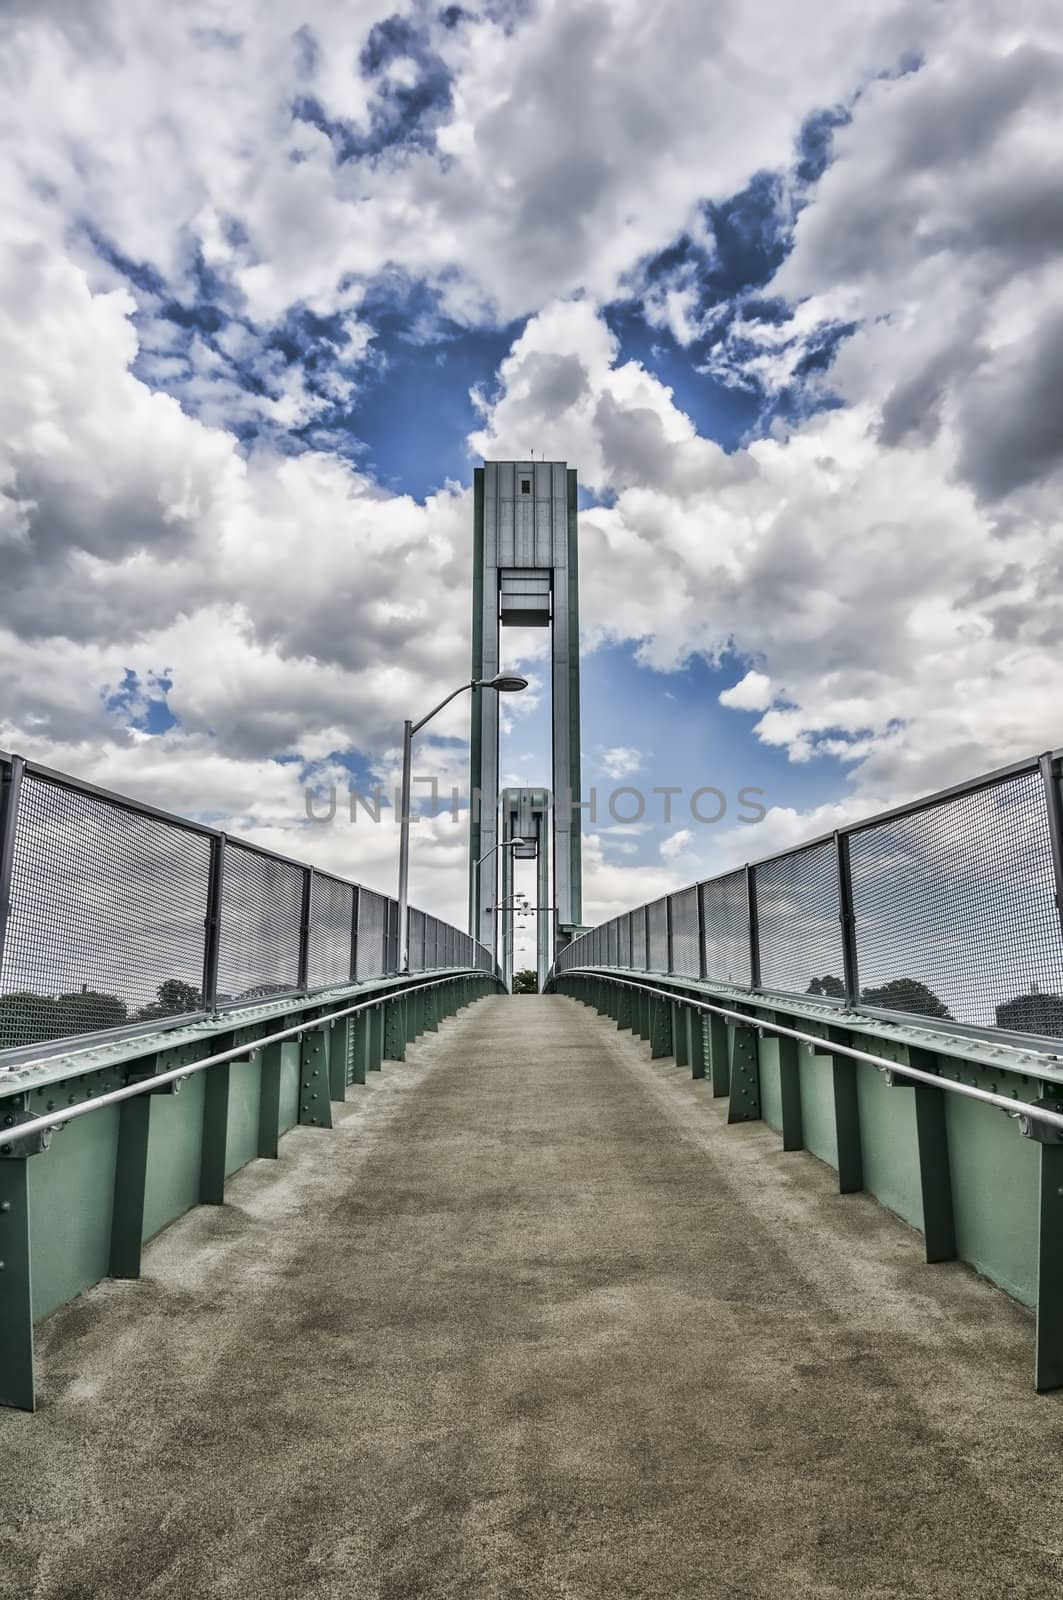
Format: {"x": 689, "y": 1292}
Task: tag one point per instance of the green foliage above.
{"x": 907, "y": 994}
{"x": 827, "y": 985}
{"x": 526, "y": 981}
{"x": 174, "y": 998}
{"x": 899, "y": 994}
{"x": 28, "y": 1018}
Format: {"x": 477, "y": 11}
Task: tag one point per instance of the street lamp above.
{"x": 519, "y": 905}
{"x": 502, "y": 683}
{"x": 503, "y": 844}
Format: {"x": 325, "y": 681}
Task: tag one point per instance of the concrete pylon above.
{"x": 526, "y": 573}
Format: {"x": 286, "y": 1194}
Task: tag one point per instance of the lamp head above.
{"x": 504, "y": 682}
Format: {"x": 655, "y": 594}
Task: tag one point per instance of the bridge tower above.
{"x": 526, "y": 573}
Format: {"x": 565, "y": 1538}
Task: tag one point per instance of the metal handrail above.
{"x": 1020, "y": 1109}
{"x": 58, "y": 1119}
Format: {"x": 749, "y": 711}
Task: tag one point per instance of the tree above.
{"x": 526, "y": 981}
{"x": 907, "y": 994}
{"x": 175, "y": 997}
{"x": 29, "y": 1018}
{"x": 827, "y": 985}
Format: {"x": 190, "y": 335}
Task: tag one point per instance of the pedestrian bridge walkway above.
{"x": 533, "y": 1321}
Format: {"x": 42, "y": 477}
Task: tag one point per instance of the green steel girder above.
{"x": 394, "y": 1031}
{"x": 339, "y": 1048}
{"x": 976, "y": 1189}
{"x": 269, "y": 1105}
{"x": 660, "y": 1028}
{"x": 698, "y": 1041}
{"x": 360, "y": 1040}
{"x": 680, "y": 1034}
{"x": 965, "y": 1051}
{"x": 315, "y": 1106}
{"x": 17, "y": 1386}
{"x": 743, "y": 1099}
{"x": 375, "y": 1058}
{"x": 793, "y": 1136}
{"x": 133, "y": 1166}
{"x": 719, "y": 1052}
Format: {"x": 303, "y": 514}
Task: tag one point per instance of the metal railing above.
{"x": 947, "y": 909}
{"x": 117, "y": 917}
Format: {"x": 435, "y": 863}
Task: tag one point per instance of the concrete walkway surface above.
{"x": 533, "y": 1324}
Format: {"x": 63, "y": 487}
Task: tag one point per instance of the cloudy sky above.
{"x": 784, "y": 286}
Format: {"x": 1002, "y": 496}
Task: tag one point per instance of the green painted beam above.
{"x": 17, "y": 1385}
{"x": 269, "y": 1105}
{"x": 130, "y": 1186}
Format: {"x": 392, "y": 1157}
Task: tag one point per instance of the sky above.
{"x": 275, "y": 279}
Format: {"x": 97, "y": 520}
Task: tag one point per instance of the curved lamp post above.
{"x": 502, "y": 683}
{"x": 503, "y": 844}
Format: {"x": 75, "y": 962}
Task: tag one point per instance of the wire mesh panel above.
{"x": 658, "y": 936}
{"x": 107, "y": 916}
{"x": 623, "y": 940}
{"x": 955, "y": 912}
{"x": 610, "y": 943}
{"x": 798, "y": 923}
{"x": 638, "y": 939}
{"x": 372, "y": 911}
{"x": 686, "y": 957}
{"x": 416, "y": 940}
{"x": 725, "y": 928}
{"x": 431, "y": 930}
{"x": 261, "y": 915}
{"x": 329, "y": 943}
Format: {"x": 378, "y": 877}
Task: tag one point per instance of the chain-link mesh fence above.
{"x": 638, "y": 939}
{"x": 107, "y": 916}
{"x": 686, "y": 954}
{"x": 261, "y": 921}
{"x": 623, "y": 940}
{"x": 331, "y": 932}
{"x": 954, "y": 910}
{"x": 657, "y": 928}
{"x": 105, "y": 906}
{"x": 799, "y": 923}
{"x": 725, "y": 928}
{"x": 417, "y": 920}
{"x": 372, "y": 932}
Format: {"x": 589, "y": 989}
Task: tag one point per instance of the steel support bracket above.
{"x": 15, "y": 1148}
{"x": 1042, "y": 1132}
{"x": 171, "y": 1087}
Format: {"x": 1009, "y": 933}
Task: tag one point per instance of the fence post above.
{"x": 1054, "y": 806}
{"x": 10, "y": 790}
{"x": 646, "y": 931}
{"x": 703, "y": 965}
{"x": 304, "y": 930}
{"x": 212, "y": 924}
{"x": 847, "y": 917}
{"x": 754, "y": 931}
{"x": 668, "y": 931}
